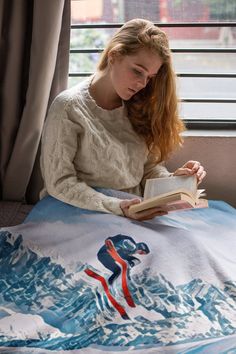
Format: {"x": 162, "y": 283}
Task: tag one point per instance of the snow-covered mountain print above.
{"x": 46, "y": 304}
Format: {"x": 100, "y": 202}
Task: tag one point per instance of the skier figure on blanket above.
{"x": 125, "y": 247}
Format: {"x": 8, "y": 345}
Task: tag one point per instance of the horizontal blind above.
{"x": 189, "y": 78}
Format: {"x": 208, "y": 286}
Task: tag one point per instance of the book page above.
{"x": 157, "y": 186}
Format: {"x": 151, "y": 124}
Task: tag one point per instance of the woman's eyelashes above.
{"x": 138, "y": 72}
{"x": 141, "y": 75}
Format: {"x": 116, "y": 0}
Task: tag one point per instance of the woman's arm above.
{"x": 191, "y": 167}
{"x": 59, "y": 147}
{"x": 153, "y": 170}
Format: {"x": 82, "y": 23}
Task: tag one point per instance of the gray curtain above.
{"x": 34, "y": 61}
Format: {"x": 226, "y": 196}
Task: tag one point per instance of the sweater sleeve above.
{"x": 60, "y": 142}
{"x": 154, "y": 170}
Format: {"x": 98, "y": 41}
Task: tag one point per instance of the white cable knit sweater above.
{"x": 85, "y": 146}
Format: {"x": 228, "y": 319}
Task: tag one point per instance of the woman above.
{"x": 116, "y": 128}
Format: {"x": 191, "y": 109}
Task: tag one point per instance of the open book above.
{"x": 171, "y": 194}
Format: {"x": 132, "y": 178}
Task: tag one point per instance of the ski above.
{"x": 111, "y": 298}
{"x": 114, "y": 254}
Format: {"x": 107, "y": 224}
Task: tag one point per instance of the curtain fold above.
{"x": 34, "y": 52}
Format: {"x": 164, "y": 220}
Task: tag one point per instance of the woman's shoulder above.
{"x": 71, "y": 95}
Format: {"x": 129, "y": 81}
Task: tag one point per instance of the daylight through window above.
{"x": 202, "y": 36}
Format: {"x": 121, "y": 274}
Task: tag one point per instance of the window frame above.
{"x": 206, "y": 124}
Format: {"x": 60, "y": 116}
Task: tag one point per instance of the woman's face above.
{"x": 131, "y": 73}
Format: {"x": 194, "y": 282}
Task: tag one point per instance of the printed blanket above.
{"x": 77, "y": 281}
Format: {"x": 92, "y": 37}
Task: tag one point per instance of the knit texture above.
{"x": 86, "y": 146}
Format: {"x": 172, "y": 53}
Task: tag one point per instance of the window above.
{"x": 202, "y": 36}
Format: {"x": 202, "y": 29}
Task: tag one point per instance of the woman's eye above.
{"x": 137, "y": 72}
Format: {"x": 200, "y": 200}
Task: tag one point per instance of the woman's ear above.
{"x": 110, "y": 60}
{"x": 112, "y": 56}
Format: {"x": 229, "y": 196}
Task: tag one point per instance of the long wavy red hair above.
{"x": 153, "y": 111}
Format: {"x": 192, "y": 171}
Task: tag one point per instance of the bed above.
{"x": 78, "y": 281}
{"x": 13, "y": 213}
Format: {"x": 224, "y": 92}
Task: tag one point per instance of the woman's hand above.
{"x": 141, "y": 215}
{"x": 191, "y": 168}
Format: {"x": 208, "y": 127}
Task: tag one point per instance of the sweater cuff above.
{"x": 112, "y": 205}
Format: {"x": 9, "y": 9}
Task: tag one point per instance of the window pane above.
{"x": 97, "y": 11}
{"x": 83, "y": 62}
{"x": 205, "y": 62}
{"x": 208, "y": 111}
{"x": 72, "y": 81}
{"x": 90, "y": 37}
{"x": 207, "y": 88}
{"x": 169, "y": 11}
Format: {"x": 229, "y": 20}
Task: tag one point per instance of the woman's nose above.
{"x": 142, "y": 82}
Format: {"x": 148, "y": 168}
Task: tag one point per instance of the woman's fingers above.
{"x": 193, "y": 165}
{"x": 148, "y": 214}
{"x": 183, "y": 171}
{"x": 201, "y": 176}
{"x": 142, "y": 215}
{"x": 190, "y": 168}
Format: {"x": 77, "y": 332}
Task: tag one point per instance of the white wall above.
{"x": 218, "y": 155}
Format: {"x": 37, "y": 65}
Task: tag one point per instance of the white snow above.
{"x": 21, "y": 326}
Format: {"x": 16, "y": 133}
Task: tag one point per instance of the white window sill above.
{"x": 210, "y": 133}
